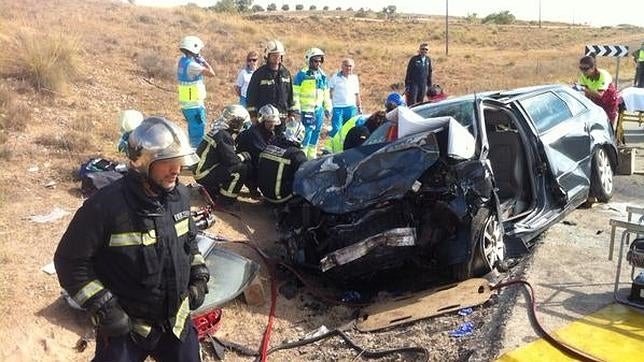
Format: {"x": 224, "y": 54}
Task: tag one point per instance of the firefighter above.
{"x": 279, "y": 161}
{"x": 271, "y": 84}
{"x": 129, "y": 255}
{"x": 255, "y": 139}
{"x": 221, "y": 170}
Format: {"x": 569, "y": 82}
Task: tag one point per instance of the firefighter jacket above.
{"x": 140, "y": 249}
{"x": 254, "y": 140}
{"x": 311, "y": 91}
{"x": 277, "y": 166}
{"x": 216, "y": 149}
{"x": 269, "y": 86}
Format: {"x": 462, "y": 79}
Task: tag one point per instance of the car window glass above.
{"x": 546, "y": 110}
{"x": 575, "y": 105}
{"x": 379, "y": 135}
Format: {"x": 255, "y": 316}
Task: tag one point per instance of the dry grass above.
{"x": 47, "y": 61}
{"x": 157, "y": 66}
{"x": 14, "y": 115}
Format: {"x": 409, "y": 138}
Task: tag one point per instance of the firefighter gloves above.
{"x": 197, "y": 293}
{"x": 111, "y": 320}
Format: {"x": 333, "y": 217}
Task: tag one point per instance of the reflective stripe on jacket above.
{"x": 277, "y": 166}
{"x": 140, "y": 249}
{"x": 217, "y": 148}
{"x": 192, "y": 90}
{"x": 311, "y": 90}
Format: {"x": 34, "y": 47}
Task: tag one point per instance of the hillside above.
{"x": 110, "y": 56}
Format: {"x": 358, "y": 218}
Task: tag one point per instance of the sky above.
{"x": 590, "y": 12}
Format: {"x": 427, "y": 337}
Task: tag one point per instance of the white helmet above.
{"x": 274, "y": 46}
{"x": 157, "y": 139}
{"x": 235, "y": 116}
{"x": 130, "y": 119}
{"x": 313, "y": 52}
{"x": 192, "y": 44}
{"x": 294, "y": 132}
{"x": 269, "y": 113}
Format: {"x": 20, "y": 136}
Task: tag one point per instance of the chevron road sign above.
{"x": 607, "y": 50}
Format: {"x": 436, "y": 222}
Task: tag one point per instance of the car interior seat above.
{"x": 509, "y": 163}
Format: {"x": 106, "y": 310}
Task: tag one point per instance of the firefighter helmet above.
{"x": 313, "y": 52}
{"x": 294, "y": 132}
{"x": 234, "y": 116}
{"x": 130, "y": 119}
{"x": 192, "y": 44}
{"x": 274, "y": 46}
{"x": 269, "y": 113}
{"x": 156, "y": 139}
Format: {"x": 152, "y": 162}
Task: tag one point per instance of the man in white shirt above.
{"x": 345, "y": 95}
{"x": 243, "y": 77}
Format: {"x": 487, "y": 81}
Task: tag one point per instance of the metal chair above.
{"x": 635, "y": 256}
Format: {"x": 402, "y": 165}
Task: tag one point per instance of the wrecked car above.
{"x": 468, "y": 182}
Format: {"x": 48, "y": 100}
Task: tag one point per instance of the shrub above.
{"x": 47, "y": 61}
{"x": 299, "y": 7}
{"x": 68, "y": 142}
{"x": 503, "y": 17}
{"x": 13, "y": 116}
{"x": 157, "y": 67}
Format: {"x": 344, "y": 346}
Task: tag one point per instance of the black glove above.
{"x": 244, "y": 156}
{"x": 197, "y": 291}
{"x": 111, "y": 320}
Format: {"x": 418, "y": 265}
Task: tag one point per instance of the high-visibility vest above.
{"x": 192, "y": 90}
{"x": 311, "y": 90}
{"x": 640, "y": 58}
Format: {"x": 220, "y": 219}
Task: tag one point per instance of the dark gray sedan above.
{"x": 462, "y": 185}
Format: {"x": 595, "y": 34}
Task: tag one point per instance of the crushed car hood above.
{"x": 366, "y": 175}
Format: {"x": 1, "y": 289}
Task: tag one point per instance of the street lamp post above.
{"x": 446, "y": 27}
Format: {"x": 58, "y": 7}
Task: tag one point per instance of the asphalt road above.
{"x": 569, "y": 268}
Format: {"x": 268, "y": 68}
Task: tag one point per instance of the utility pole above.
{"x": 539, "y": 14}
{"x": 446, "y": 27}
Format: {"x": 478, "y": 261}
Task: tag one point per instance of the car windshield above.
{"x": 461, "y": 109}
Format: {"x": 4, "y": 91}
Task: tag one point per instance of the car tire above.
{"x": 488, "y": 251}
{"x": 601, "y": 177}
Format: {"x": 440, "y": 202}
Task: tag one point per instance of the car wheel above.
{"x": 488, "y": 252}
{"x": 601, "y": 178}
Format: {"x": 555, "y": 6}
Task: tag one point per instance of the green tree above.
{"x": 299, "y": 7}
{"x": 224, "y": 6}
{"x": 257, "y": 9}
{"x": 243, "y": 6}
{"x": 271, "y": 7}
{"x": 285, "y": 7}
{"x": 313, "y": 7}
{"x": 503, "y": 17}
{"x": 338, "y": 8}
{"x": 389, "y": 11}
{"x": 326, "y": 8}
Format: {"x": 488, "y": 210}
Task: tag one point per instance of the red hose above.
{"x": 562, "y": 346}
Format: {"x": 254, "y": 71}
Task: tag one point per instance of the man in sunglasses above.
{"x": 597, "y": 84}
{"x": 419, "y": 75}
{"x": 244, "y": 75}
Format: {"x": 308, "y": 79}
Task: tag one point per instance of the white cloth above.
{"x": 633, "y": 98}
{"x": 344, "y": 89}
{"x": 243, "y": 78}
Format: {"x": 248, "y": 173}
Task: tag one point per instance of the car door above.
{"x": 564, "y": 138}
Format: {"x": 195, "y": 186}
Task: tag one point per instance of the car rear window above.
{"x": 576, "y": 106}
{"x": 546, "y": 110}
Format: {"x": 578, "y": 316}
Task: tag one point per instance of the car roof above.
{"x": 505, "y": 96}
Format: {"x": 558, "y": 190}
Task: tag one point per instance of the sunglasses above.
{"x": 251, "y": 60}
{"x": 583, "y": 69}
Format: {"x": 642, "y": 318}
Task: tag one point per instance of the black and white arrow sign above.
{"x": 607, "y": 50}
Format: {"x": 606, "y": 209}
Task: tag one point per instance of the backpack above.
{"x": 97, "y": 173}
